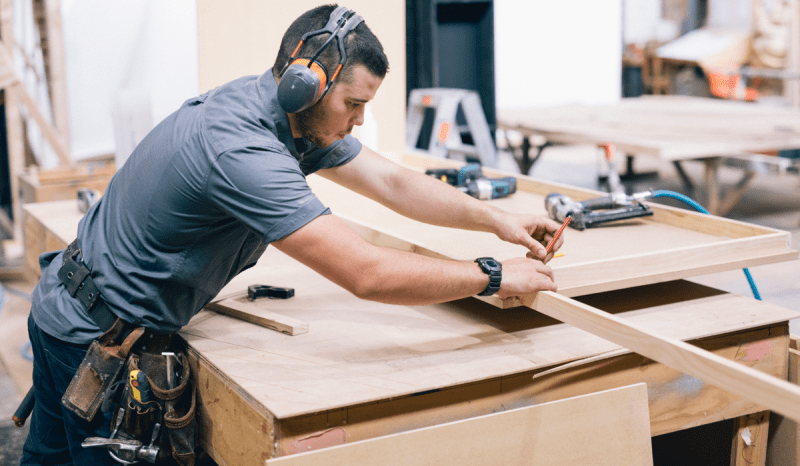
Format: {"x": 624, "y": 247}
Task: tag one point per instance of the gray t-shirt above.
{"x": 196, "y": 203}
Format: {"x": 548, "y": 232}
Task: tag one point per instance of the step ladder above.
{"x": 445, "y": 133}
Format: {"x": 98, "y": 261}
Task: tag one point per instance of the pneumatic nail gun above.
{"x": 593, "y": 212}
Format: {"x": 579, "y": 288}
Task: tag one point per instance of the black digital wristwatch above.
{"x": 494, "y": 270}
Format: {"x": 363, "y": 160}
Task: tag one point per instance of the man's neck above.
{"x": 293, "y": 125}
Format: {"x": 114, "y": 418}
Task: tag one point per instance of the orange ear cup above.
{"x": 323, "y": 78}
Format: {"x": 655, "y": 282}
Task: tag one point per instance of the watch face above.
{"x": 491, "y": 264}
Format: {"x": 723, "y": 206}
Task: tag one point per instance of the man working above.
{"x": 212, "y": 185}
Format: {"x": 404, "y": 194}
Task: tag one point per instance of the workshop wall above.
{"x": 132, "y": 62}
{"x": 241, "y": 37}
{"x": 553, "y": 53}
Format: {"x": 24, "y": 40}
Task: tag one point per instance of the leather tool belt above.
{"x": 103, "y": 379}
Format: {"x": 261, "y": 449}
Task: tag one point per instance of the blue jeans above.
{"x": 55, "y": 432}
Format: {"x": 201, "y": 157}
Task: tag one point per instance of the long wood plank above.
{"x": 775, "y": 394}
{"x": 604, "y": 428}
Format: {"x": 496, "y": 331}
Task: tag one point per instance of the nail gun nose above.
{"x": 559, "y": 207}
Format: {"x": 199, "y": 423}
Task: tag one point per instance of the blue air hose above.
{"x": 699, "y": 208}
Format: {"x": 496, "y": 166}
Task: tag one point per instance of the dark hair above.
{"x": 361, "y": 46}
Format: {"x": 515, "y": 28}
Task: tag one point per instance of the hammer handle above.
{"x": 24, "y": 410}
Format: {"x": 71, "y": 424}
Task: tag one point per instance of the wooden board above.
{"x": 670, "y": 127}
{"x": 610, "y": 428}
{"x": 672, "y": 244}
{"x": 750, "y": 440}
{"x": 257, "y": 312}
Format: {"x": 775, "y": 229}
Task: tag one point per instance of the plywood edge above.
{"x": 612, "y": 427}
{"x": 709, "y": 224}
{"x": 228, "y": 417}
{"x": 689, "y": 272}
{"x": 647, "y": 270}
{"x": 772, "y": 393}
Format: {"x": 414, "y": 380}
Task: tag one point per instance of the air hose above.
{"x": 699, "y": 208}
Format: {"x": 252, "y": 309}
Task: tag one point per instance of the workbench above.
{"x": 675, "y": 129}
{"x": 366, "y": 370}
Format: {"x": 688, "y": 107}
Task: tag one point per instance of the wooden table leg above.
{"x": 712, "y": 184}
{"x": 750, "y": 440}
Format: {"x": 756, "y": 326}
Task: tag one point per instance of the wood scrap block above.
{"x": 257, "y": 312}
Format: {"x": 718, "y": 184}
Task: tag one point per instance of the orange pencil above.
{"x": 560, "y": 230}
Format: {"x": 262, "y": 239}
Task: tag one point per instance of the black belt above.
{"x": 78, "y": 280}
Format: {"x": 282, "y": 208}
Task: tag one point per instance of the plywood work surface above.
{"x": 671, "y": 127}
{"x": 672, "y": 244}
{"x": 358, "y": 351}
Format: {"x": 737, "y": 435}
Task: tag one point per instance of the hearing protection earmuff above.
{"x": 304, "y": 81}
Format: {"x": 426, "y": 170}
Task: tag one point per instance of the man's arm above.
{"x": 331, "y": 248}
{"x": 429, "y": 200}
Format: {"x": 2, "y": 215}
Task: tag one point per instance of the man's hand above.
{"x": 532, "y": 231}
{"x": 523, "y": 276}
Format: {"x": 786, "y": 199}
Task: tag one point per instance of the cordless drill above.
{"x": 471, "y": 180}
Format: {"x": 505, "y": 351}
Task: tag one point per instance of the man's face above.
{"x": 342, "y": 108}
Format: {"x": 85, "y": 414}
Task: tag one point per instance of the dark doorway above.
{"x": 451, "y": 44}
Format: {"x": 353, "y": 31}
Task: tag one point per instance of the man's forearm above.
{"x": 430, "y": 200}
{"x": 380, "y": 274}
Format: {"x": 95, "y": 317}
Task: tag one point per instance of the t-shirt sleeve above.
{"x": 264, "y": 189}
{"x": 338, "y": 154}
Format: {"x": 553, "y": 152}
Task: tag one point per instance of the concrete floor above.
{"x": 772, "y": 201}
{"x": 11, "y": 437}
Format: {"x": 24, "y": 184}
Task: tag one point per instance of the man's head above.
{"x": 342, "y": 106}
{"x": 361, "y": 46}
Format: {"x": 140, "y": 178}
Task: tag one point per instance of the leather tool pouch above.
{"x": 173, "y": 409}
{"x": 98, "y": 371}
